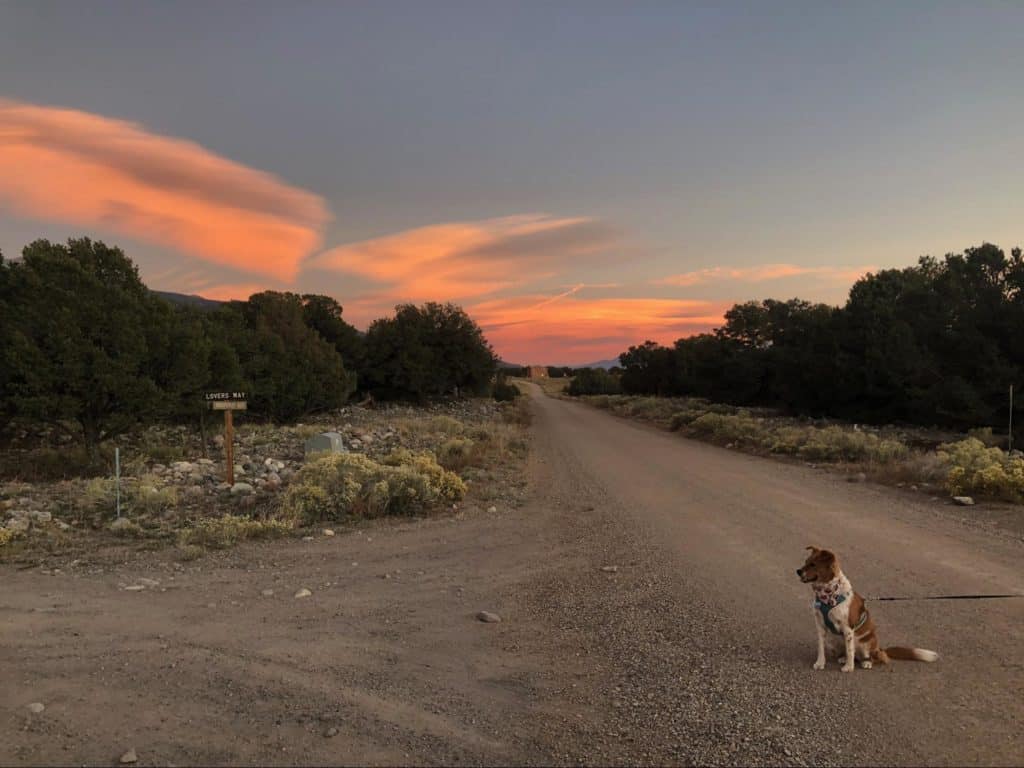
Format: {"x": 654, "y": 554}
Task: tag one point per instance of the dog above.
{"x": 841, "y": 611}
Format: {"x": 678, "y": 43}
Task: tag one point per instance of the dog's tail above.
{"x": 910, "y": 654}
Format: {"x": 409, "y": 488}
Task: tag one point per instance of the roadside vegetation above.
{"x": 91, "y": 358}
{"x": 926, "y": 460}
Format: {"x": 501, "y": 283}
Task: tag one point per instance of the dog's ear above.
{"x": 813, "y": 549}
{"x": 826, "y": 555}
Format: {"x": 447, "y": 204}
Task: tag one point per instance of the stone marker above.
{"x": 325, "y": 442}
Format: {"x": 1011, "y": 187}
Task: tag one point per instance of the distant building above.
{"x": 538, "y": 372}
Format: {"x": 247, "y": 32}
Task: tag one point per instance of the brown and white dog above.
{"x": 840, "y": 611}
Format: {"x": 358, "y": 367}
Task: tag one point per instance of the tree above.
{"x": 323, "y": 315}
{"x": 289, "y": 369}
{"x": 77, "y": 350}
{"x": 425, "y": 352}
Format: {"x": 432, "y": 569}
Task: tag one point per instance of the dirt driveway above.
{"x": 650, "y": 615}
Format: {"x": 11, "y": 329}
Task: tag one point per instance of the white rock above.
{"x": 487, "y": 617}
{"x": 241, "y": 488}
{"x": 36, "y": 707}
{"x": 963, "y": 501}
{"x": 303, "y": 593}
{"x": 17, "y": 525}
{"x": 328, "y": 532}
{"x": 492, "y": 509}
{"x": 41, "y": 516}
{"x": 129, "y": 757}
{"x": 267, "y": 593}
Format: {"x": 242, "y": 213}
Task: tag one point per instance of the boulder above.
{"x": 325, "y": 442}
{"x": 241, "y": 488}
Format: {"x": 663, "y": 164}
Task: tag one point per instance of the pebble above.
{"x": 241, "y": 488}
{"x": 487, "y": 617}
{"x": 303, "y": 593}
{"x": 331, "y": 732}
{"x": 964, "y": 501}
{"x": 328, "y": 532}
{"x": 268, "y": 593}
{"x": 129, "y": 757}
{"x": 36, "y": 707}
{"x": 134, "y": 588}
{"x": 610, "y": 568}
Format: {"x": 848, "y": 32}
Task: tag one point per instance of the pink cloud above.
{"x": 67, "y": 165}
{"x": 762, "y": 273}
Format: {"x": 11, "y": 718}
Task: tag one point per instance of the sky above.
{"x": 579, "y": 176}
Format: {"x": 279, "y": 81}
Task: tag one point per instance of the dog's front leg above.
{"x": 851, "y": 642}
{"x": 820, "y": 626}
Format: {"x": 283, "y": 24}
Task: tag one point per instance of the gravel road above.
{"x": 650, "y": 614}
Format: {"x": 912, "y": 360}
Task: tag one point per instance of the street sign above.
{"x": 226, "y": 396}
{"x": 229, "y": 402}
{"x": 228, "y": 405}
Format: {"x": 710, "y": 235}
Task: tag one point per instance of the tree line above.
{"x": 85, "y": 345}
{"x": 938, "y": 343}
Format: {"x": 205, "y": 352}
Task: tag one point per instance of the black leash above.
{"x": 948, "y": 597}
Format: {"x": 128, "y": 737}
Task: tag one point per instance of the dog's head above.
{"x": 821, "y": 566}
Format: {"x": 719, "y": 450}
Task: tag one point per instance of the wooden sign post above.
{"x": 229, "y": 402}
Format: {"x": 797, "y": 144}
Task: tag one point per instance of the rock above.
{"x": 18, "y": 525}
{"x": 268, "y": 593}
{"x": 325, "y": 442}
{"x": 183, "y": 467}
{"x": 218, "y": 440}
{"x": 61, "y": 525}
{"x": 328, "y": 532}
{"x": 158, "y": 469}
{"x": 963, "y": 501}
{"x": 860, "y": 477}
{"x": 36, "y": 707}
{"x": 121, "y": 524}
{"x": 205, "y": 462}
{"x": 134, "y": 588}
{"x": 610, "y": 568}
{"x": 241, "y": 489}
{"x": 41, "y": 516}
{"x": 193, "y": 491}
{"x": 331, "y": 732}
{"x": 239, "y": 469}
{"x": 303, "y": 593}
{"x": 492, "y": 510}
{"x": 151, "y": 583}
{"x": 129, "y": 757}
{"x": 487, "y": 617}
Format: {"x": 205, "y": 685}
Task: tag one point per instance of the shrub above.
{"x": 7, "y": 536}
{"x": 148, "y": 496}
{"x": 456, "y": 453}
{"x": 353, "y": 485}
{"x": 976, "y": 468}
{"x": 226, "y": 531}
{"x": 834, "y": 443}
{"x": 740, "y": 427}
{"x": 100, "y": 493}
{"x": 594, "y": 381}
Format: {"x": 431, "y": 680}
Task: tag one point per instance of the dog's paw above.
{"x": 819, "y": 664}
{"x": 866, "y": 664}
{"x": 847, "y": 667}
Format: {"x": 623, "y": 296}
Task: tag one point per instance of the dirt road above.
{"x": 650, "y": 615}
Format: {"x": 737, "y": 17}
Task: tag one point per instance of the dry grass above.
{"x": 228, "y": 530}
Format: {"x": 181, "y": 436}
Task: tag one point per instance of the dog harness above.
{"x": 828, "y": 597}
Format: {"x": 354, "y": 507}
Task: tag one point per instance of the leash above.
{"x": 948, "y": 597}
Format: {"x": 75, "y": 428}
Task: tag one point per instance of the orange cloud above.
{"x": 468, "y": 259}
{"x": 568, "y": 329}
{"x": 762, "y": 273}
{"x": 74, "y": 166}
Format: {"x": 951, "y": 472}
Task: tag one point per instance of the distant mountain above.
{"x": 503, "y": 364}
{"x": 188, "y": 299}
{"x": 606, "y": 364}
